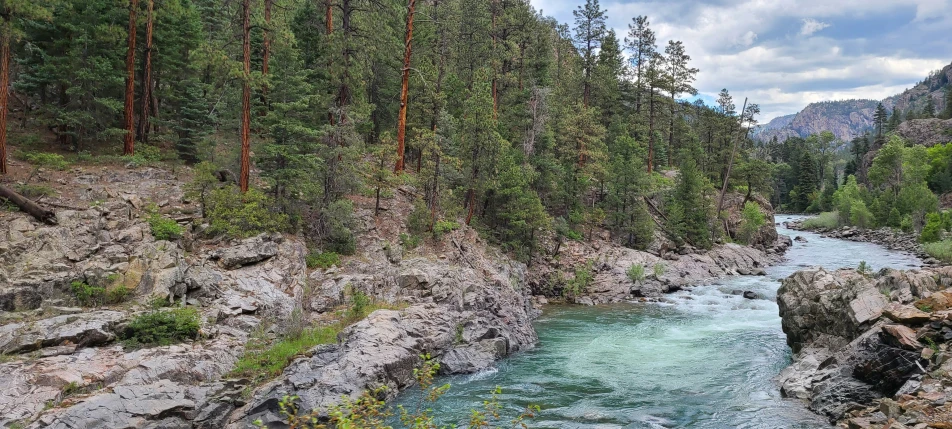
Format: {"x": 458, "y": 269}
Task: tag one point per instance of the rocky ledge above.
{"x": 871, "y": 350}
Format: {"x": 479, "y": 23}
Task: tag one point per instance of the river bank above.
{"x": 890, "y": 238}
{"x": 458, "y": 299}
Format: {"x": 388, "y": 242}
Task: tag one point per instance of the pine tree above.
{"x": 928, "y": 111}
{"x": 245, "y": 166}
{"x": 641, "y": 43}
{"x": 806, "y": 188}
{"x": 947, "y": 113}
{"x": 681, "y": 77}
{"x": 589, "y": 32}
{"x": 690, "y": 211}
{"x": 894, "y": 120}
{"x": 129, "y": 147}
{"x": 879, "y": 120}
{"x": 404, "y": 91}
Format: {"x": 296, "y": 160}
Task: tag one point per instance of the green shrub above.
{"x": 659, "y": 270}
{"x": 238, "y": 215}
{"x": 582, "y": 280}
{"x": 162, "y": 327}
{"x": 906, "y": 223}
{"x": 418, "y": 221}
{"x": 43, "y": 159}
{"x": 861, "y": 216}
{"x": 35, "y": 191}
{"x": 337, "y": 227}
{"x": 323, "y": 260}
{"x": 864, "y": 268}
{"x": 826, "y": 220}
{"x": 442, "y": 227}
{"x": 87, "y": 295}
{"x": 636, "y": 273}
{"x": 410, "y": 242}
{"x": 752, "y": 219}
{"x": 359, "y": 303}
{"x": 933, "y": 229}
{"x": 164, "y": 228}
{"x": 941, "y": 250}
{"x": 117, "y": 294}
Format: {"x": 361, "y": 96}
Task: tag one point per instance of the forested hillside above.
{"x": 500, "y": 117}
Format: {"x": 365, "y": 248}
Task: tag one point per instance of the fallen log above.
{"x": 33, "y": 209}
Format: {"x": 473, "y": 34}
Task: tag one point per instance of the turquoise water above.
{"x": 707, "y": 359}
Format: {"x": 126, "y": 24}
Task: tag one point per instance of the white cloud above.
{"x": 811, "y": 26}
{"x": 754, "y": 47}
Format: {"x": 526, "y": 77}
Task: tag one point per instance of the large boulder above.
{"x": 79, "y": 330}
{"x": 249, "y": 251}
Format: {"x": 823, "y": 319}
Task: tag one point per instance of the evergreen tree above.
{"x": 879, "y": 120}
{"x": 805, "y": 190}
{"x": 690, "y": 211}
{"x": 589, "y": 32}
{"x": 947, "y": 113}
{"x": 928, "y": 111}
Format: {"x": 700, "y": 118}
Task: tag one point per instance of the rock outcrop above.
{"x": 859, "y": 338}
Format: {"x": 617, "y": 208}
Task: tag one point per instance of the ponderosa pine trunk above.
{"x": 328, "y": 30}
{"x": 144, "y": 113}
{"x": 495, "y": 12}
{"x": 129, "y": 147}
{"x": 4, "y": 90}
{"x": 404, "y": 90}
{"x": 245, "y": 174}
{"x": 651, "y": 130}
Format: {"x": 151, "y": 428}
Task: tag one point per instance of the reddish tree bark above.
{"x": 329, "y": 29}
{"x": 4, "y": 91}
{"x": 144, "y": 113}
{"x": 494, "y": 11}
{"x": 129, "y": 147}
{"x": 404, "y": 90}
{"x": 243, "y": 177}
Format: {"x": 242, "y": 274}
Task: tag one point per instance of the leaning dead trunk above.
{"x": 24, "y": 203}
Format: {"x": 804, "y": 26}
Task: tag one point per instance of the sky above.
{"x": 785, "y": 54}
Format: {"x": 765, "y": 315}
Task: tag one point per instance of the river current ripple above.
{"x": 707, "y": 359}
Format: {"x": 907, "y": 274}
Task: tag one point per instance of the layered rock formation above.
{"x": 858, "y": 338}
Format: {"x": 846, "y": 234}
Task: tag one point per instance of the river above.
{"x": 705, "y": 359}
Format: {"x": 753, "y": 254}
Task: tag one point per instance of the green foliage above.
{"x": 934, "y": 228}
{"x": 659, "y": 270}
{"x": 418, "y": 221}
{"x": 162, "y": 327}
{"x": 359, "y": 304}
{"x": 164, "y": 228}
{"x": 442, "y": 227}
{"x": 690, "y": 209}
{"x": 864, "y": 268}
{"x": 322, "y": 260}
{"x": 35, "y": 191}
{"x": 410, "y": 242}
{"x": 336, "y": 227}
{"x": 827, "y": 220}
{"x": 941, "y": 250}
{"x": 237, "y": 215}
{"x": 44, "y": 159}
{"x": 579, "y": 284}
{"x": 752, "y": 219}
{"x": 850, "y": 206}
{"x": 636, "y": 273}
{"x": 87, "y": 295}
{"x": 261, "y": 361}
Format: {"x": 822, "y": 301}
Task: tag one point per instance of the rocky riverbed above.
{"x": 872, "y": 350}
{"x": 889, "y": 238}
{"x": 458, "y": 299}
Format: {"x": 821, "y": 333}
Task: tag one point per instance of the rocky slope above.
{"x": 847, "y": 119}
{"x": 458, "y": 299}
{"x": 860, "y": 339}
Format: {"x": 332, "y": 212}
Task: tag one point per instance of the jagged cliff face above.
{"x": 850, "y": 118}
{"x": 845, "y": 119}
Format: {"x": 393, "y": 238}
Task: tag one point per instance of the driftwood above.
{"x": 24, "y": 203}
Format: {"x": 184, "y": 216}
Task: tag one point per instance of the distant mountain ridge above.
{"x": 847, "y": 119}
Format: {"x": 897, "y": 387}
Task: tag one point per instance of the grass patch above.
{"x": 323, "y": 260}
{"x": 941, "y": 250}
{"x": 161, "y": 328}
{"x": 826, "y": 220}
{"x": 35, "y": 191}
{"x": 94, "y": 296}
{"x": 262, "y": 362}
